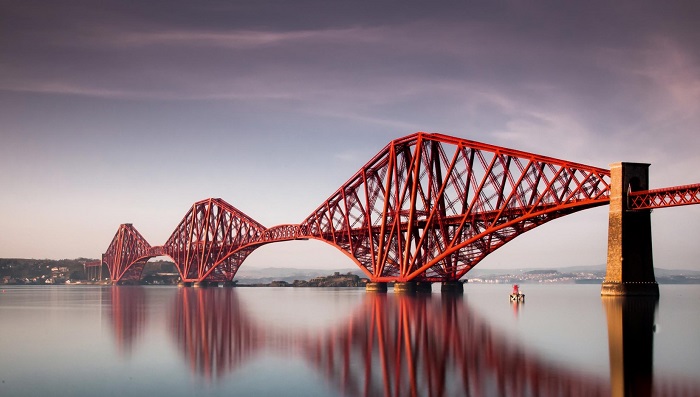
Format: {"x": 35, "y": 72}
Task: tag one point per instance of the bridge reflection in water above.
{"x": 395, "y": 345}
{"x": 128, "y": 317}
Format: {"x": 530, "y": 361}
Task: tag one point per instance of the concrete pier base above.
{"x": 128, "y": 282}
{"x": 630, "y": 267}
{"x": 629, "y": 289}
{"x": 404, "y": 288}
{"x": 184, "y": 284}
{"x": 452, "y": 287}
{"x": 412, "y": 287}
{"x": 205, "y": 284}
{"x": 376, "y": 287}
{"x": 229, "y": 284}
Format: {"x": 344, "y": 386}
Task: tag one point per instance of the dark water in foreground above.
{"x": 165, "y": 341}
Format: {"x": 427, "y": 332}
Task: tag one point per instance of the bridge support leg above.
{"x": 411, "y": 287}
{"x": 452, "y": 287}
{"x": 404, "y": 288}
{"x": 630, "y": 268}
{"x": 375, "y": 287}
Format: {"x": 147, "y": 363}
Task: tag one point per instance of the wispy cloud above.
{"x": 233, "y": 39}
{"x": 63, "y": 88}
{"x": 662, "y": 68}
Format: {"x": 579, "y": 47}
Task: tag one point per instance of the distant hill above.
{"x": 596, "y": 269}
{"x": 486, "y": 271}
{"x": 266, "y": 275}
{"x": 41, "y": 268}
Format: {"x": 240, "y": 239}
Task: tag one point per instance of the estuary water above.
{"x": 169, "y": 341}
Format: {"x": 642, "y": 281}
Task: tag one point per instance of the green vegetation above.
{"x": 544, "y": 271}
{"x": 335, "y": 280}
{"x": 38, "y": 271}
{"x": 50, "y": 271}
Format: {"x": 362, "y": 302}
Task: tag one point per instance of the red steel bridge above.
{"x": 426, "y": 208}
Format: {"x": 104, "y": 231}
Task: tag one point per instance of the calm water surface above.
{"x": 169, "y": 341}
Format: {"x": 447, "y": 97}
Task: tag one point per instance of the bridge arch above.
{"x": 127, "y": 249}
{"x": 292, "y": 232}
{"x": 430, "y": 207}
{"x": 128, "y": 254}
{"x": 212, "y": 240}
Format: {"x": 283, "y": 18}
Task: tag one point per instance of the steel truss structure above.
{"x": 93, "y": 270}
{"x": 127, "y": 254}
{"x": 662, "y": 198}
{"x": 427, "y": 207}
{"x": 212, "y": 241}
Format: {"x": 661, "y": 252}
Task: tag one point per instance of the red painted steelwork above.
{"x": 666, "y": 197}
{"x": 430, "y": 207}
{"x": 212, "y": 240}
{"x": 210, "y": 243}
{"x": 282, "y": 233}
{"x": 126, "y": 254}
{"x": 93, "y": 270}
{"x": 427, "y": 207}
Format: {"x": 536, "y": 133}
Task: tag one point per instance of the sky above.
{"x": 118, "y": 112}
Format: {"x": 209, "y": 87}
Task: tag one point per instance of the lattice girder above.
{"x": 430, "y": 207}
{"x": 212, "y": 240}
{"x": 126, "y": 254}
{"x": 666, "y": 197}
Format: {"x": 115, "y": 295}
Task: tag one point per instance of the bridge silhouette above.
{"x": 397, "y": 345}
{"x": 427, "y": 208}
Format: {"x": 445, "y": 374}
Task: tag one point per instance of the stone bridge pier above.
{"x": 630, "y": 266}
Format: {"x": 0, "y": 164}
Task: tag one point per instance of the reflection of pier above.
{"x": 128, "y": 315}
{"x": 631, "y": 340}
{"x": 403, "y": 345}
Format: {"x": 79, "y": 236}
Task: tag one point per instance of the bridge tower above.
{"x": 630, "y": 267}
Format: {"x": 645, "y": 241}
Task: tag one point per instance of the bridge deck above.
{"x": 665, "y": 197}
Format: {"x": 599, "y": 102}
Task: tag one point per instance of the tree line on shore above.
{"x": 55, "y": 271}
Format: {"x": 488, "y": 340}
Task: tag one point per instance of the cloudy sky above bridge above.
{"x": 115, "y": 112}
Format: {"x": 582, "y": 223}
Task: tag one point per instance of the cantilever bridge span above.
{"x": 427, "y": 207}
